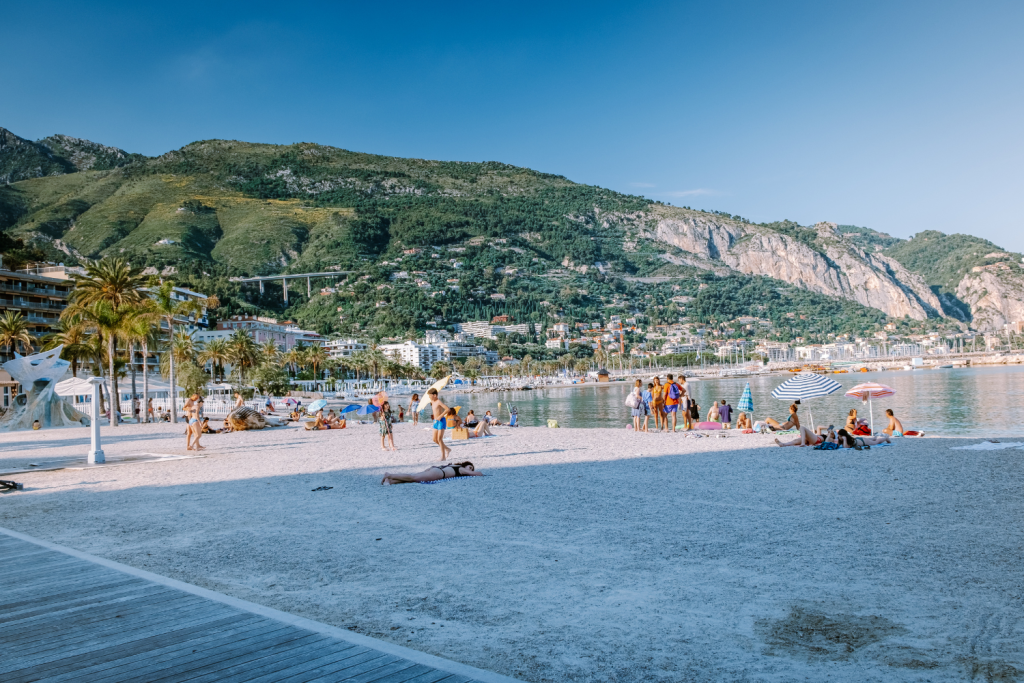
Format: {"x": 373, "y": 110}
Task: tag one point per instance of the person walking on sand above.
{"x": 413, "y": 409}
{"x": 895, "y": 427}
{"x": 386, "y": 430}
{"x": 437, "y": 413}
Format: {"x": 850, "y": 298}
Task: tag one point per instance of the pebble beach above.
{"x": 585, "y": 555}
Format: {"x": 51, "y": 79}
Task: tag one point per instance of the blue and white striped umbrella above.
{"x": 746, "y": 404}
{"x": 804, "y": 386}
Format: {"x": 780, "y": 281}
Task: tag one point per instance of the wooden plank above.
{"x": 82, "y": 620}
{"x": 344, "y": 673}
{"x": 59, "y": 594}
{"x": 314, "y": 649}
{"x": 175, "y": 664}
{"x": 296, "y": 669}
{"x": 383, "y": 672}
{"x": 222, "y": 668}
{"x": 332, "y": 666}
{"x": 70, "y": 604}
{"x": 433, "y": 676}
{"x": 27, "y": 588}
{"x": 405, "y": 675}
{"x": 148, "y": 651}
{"x": 117, "y": 633}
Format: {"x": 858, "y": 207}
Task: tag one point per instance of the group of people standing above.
{"x": 664, "y": 401}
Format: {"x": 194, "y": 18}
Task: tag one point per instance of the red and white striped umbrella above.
{"x": 870, "y": 390}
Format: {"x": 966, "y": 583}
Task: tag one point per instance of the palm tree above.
{"x": 111, "y": 322}
{"x": 14, "y": 330}
{"x": 217, "y": 352}
{"x": 142, "y": 331}
{"x": 316, "y": 356}
{"x": 269, "y": 353}
{"x": 294, "y": 358}
{"x": 243, "y": 353}
{"x": 70, "y": 333}
{"x": 168, "y": 308}
{"x": 111, "y": 280}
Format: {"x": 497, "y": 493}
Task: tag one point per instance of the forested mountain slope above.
{"x": 230, "y": 208}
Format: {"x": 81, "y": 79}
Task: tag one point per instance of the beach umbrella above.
{"x": 350, "y": 408}
{"x": 805, "y": 385}
{"x": 316, "y": 405}
{"x": 439, "y": 385}
{"x": 290, "y": 401}
{"x": 868, "y": 391}
{"x": 367, "y": 410}
{"x": 746, "y": 404}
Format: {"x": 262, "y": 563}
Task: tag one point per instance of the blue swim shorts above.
{"x": 441, "y": 424}
{"x": 671, "y": 409}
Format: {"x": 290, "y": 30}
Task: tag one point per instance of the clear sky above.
{"x": 899, "y": 116}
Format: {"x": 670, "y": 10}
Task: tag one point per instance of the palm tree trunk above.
{"x": 173, "y": 389}
{"x": 145, "y": 382}
{"x": 115, "y": 398}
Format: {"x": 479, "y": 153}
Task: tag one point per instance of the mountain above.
{"x": 226, "y": 208}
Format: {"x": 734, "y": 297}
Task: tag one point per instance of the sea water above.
{"x": 983, "y": 401}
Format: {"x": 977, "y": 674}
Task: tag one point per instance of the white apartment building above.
{"x": 284, "y": 335}
{"x": 482, "y": 328}
{"x": 343, "y": 348}
{"x": 778, "y": 351}
{"x": 421, "y": 355}
{"x": 556, "y": 343}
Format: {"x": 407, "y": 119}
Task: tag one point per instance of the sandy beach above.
{"x": 588, "y": 555}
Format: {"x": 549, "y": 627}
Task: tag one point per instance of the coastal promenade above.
{"x": 68, "y": 616}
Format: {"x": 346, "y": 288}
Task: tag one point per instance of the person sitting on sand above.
{"x": 239, "y": 402}
{"x": 490, "y": 419}
{"x": 743, "y": 421}
{"x": 856, "y": 426}
{"x": 319, "y": 423}
{"x": 895, "y": 427}
{"x": 207, "y": 429}
{"x": 792, "y": 423}
{"x": 435, "y": 473}
{"x": 471, "y": 419}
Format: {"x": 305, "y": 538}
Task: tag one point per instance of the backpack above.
{"x": 673, "y": 391}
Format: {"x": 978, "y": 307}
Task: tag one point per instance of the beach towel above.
{"x": 441, "y": 481}
{"x": 827, "y": 446}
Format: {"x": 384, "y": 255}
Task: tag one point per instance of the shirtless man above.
{"x": 437, "y": 413}
{"x": 895, "y": 427}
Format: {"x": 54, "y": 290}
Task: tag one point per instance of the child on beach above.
{"x": 413, "y": 409}
{"x": 647, "y": 398}
{"x": 437, "y": 413}
{"x": 725, "y": 412}
{"x": 386, "y": 419}
{"x": 401, "y": 413}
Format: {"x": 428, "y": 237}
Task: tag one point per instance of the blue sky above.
{"x": 896, "y": 116}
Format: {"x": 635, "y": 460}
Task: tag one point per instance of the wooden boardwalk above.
{"x": 66, "y": 616}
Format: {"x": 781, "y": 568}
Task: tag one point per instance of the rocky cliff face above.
{"x": 823, "y": 261}
{"x": 21, "y": 159}
{"x": 996, "y": 296}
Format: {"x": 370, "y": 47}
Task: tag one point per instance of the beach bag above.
{"x": 633, "y": 401}
{"x": 460, "y": 433}
{"x": 673, "y": 391}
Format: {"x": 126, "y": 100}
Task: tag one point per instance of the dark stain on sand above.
{"x": 828, "y": 636}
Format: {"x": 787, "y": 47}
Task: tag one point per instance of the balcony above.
{"x": 30, "y": 288}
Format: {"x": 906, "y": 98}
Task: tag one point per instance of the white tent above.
{"x": 76, "y": 386}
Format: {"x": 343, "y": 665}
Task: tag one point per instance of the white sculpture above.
{"x": 38, "y": 374}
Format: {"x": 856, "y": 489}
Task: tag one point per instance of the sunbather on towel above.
{"x": 435, "y": 473}
{"x": 895, "y": 427}
{"x": 792, "y": 423}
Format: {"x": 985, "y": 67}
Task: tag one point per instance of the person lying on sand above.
{"x": 895, "y": 427}
{"x": 435, "y": 473}
{"x": 792, "y": 423}
{"x": 847, "y": 440}
{"x": 806, "y": 438}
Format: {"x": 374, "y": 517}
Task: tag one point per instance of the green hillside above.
{"x": 430, "y": 242}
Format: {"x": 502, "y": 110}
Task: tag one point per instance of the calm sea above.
{"x": 987, "y": 401}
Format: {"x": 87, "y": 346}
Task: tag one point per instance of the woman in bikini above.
{"x": 792, "y": 423}
{"x": 434, "y": 473}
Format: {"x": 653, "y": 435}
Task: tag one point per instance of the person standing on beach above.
{"x": 658, "y": 403}
{"x": 414, "y": 409}
{"x": 437, "y": 413}
{"x": 647, "y": 402}
{"x": 386, "y": 419}
{"x": 672, "y": 396}
{"x": 725, "y": 412}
